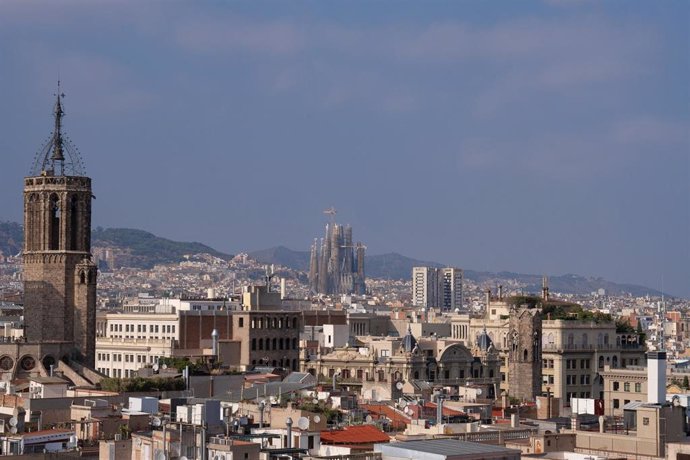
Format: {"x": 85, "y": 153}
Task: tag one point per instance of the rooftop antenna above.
{"x": 662, "y": 319}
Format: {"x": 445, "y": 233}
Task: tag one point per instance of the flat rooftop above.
{"x": 447, "y": 447}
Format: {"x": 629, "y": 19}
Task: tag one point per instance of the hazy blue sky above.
{"x": 541, "y": 137}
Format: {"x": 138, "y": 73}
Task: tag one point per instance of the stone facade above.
{"x": 524, "y": 353}
{"x": 59, "y": 276}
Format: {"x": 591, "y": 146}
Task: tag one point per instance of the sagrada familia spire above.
{"x": 336, "y": 265}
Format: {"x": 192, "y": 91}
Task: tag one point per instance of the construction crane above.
{"x": 331, "y": 212}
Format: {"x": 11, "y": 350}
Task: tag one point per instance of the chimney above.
{"x": 214, "y": 342}
{"x": 439, "y": 410}
{"x": 283, "y": 290}
{"x": 500, "y": 292}
{"x": 514, "y": 420}
{"x": 656, "y": 377}
{"x": 288, "y": 422}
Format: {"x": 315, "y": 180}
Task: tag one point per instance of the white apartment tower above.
{"x": 425, "y": 287}
{"x": 437, "y": 287}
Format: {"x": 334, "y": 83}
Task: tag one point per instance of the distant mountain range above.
{"x": 396, "y": 266}
{"x": 140, "y": 249}
{"x": 134, "y": 248}
{"x": 11, "y": 238}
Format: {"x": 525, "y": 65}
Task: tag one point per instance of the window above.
{"x": 626, "y": 386}
{"x": 616, "y": 386}
{"x": 616, "y": 404}
{"x": 638, "y": 387}
{"x": 241, "y": 322}
{"x": 645, "y": 420}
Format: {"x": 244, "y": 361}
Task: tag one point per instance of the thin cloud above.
{"x": 236, "y": 34}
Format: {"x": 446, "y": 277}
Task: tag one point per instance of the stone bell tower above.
{"x": 524, "y": 353}
{"x": 59, "y": 275}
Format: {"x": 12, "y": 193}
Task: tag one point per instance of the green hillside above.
{"x": 146, "y": 249}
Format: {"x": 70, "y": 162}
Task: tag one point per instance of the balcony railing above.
{"x": 590, "y": 347}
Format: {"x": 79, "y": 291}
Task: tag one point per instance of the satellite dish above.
{"x": 403, "y": 403}
{"x": 315, "y": 401}
{"x": 13, "y": 430}
{"x": 137, "y": 442}
{"x": 13, "y": 421}
{"x": 479, "y": 391}
{"x": 369, "y": 419}
{"x": 184, "y": 457}
{"x": 159, "y": 455}
{"x": 156, "y": 422}
{"x": 407, "y": 410}
{"x": 317, "y": 419}
{"x": 155, "y": 367}
{"x": 164, "y": 366}
{"x": 303, "y": 423}
{"x": 399, "y": 385}
{"x": 676, "y": 401}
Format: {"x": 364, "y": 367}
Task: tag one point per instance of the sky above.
{"x": 544, "y": 137}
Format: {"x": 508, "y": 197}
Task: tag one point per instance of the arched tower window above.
{"x": 524, "y": 355}
{"x": 82, "y": 278}
{"x": 74, "y": 223}
{"x": 54, "y": 223}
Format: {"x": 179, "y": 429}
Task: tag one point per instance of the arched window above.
{"x": 274, "y": 344}
{"x": 54, "y": 223}
{"x": 614, "y": 362}
{"x": 585, "y": 339}
{"x": 280, "y": 344}
{"x": 571, "y": 339}
{"x": 606, "y": 339}
{"x": 82, "y": 278}
{"x": 74, "y": 223}
{"x": 601, "y": 362}
{"x": 253, "y": 344}
{"x": 524, "y": 355}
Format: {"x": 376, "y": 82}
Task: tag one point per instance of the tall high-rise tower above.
{"x": 437, "y": 287}
{"x": 59, "y": 275}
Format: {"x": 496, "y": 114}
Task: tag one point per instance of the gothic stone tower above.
{"x": 59, "y": 275}
{"x": 524, "y": 353}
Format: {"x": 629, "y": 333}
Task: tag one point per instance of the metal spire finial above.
{"x": 58, "y": 156}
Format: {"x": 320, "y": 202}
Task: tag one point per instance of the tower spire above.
{"x": 57, "y": 147}
{"x": 58, "y": 156}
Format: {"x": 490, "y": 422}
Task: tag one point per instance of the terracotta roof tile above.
{"x": 357, "y": 434}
